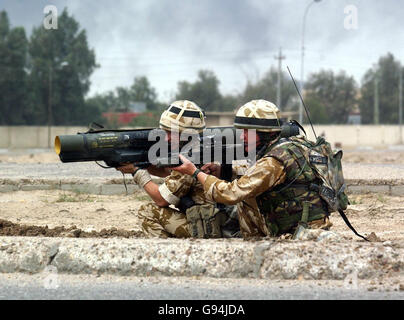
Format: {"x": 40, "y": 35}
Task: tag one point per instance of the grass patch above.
{"x": 78, "y": 197}
{"x": 142, "y": 197}
{"x": 381, "y": 199}
{"x": 355, "y": 200}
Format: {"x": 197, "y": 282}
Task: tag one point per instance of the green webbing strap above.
{"x": 305, "y": 214}
{"x": 302, "y": 224}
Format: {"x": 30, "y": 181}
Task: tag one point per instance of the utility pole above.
{"x": 400, "y": 103}
{"x": 50, "y": 111}
{"x": 279, "y": 88}
{"x": 50, "y": 105}
{"x": 302, "y": 61}
{"x": 376, "y": 101}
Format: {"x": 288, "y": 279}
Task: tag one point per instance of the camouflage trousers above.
{"x": 200, "y": 221}
{"x": 253, "y": 224}
{"x": 163, "y": 222}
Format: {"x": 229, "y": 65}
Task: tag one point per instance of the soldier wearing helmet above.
{"x": 180, "y": 190}
{"x": 273, "y": 193}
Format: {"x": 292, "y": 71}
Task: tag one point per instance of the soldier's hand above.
{"x": 212, "y": 168}
{"x": 187, "y": 166}
{"x": 127, "y": 168}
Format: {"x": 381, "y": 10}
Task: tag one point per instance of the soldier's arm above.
{"x": 264, "y": 175}
{"x": 175, "y": 187}
{"x": 142, "y": 178}
{"x": 225, "y": 172}
{"x": 153, "y": 191}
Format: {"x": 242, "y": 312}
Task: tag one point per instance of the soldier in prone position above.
{"x": 195, "y": 215}
{"x": 275, "y": 191}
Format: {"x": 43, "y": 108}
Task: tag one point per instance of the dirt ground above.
{"x": 377, "y": 156}
{"x": 71, "y": 214}
{"x": 62, "y": 213}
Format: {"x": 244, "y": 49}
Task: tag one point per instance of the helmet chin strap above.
{"x": 262, "y": 148}
{"x": 264, "y": 143}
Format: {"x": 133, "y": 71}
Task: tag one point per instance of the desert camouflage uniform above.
{"x": 181, "y": 116}
{"x": 276, "y": 168}
{"x": 167, "y": 221}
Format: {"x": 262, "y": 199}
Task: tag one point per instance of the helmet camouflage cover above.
{"x": 261, "y": 115}
{"x": 183, "y": 116}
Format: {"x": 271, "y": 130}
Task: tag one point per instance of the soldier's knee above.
{"x": 148, "y": 210}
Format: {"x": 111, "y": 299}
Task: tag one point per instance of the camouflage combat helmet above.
{"x": 261, "y": 115}
{"x": 183, "y": 116}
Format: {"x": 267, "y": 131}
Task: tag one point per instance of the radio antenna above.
{"x": 307, "y": 112}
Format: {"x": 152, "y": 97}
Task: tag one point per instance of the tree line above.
{"x": 45, "y": 79}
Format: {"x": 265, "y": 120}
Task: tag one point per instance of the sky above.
{"x": 170, "y": 40}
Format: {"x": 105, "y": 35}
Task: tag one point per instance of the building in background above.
{"x": 124, "y": 117}
{"x": 354, "y": 117}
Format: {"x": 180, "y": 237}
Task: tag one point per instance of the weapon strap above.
{"x": 344, "y": 217}
{"x": 104, "y": 167}
{"x": 124, "y": 183}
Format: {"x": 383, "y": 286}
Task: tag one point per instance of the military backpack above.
{"x": 326, "y": 165}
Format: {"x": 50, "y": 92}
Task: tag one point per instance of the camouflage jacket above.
{"x": 266, "y": 173}
{"x": 178, "y": 185}
{"x": 266, "y": 193}
{"x": 282, "y": 206}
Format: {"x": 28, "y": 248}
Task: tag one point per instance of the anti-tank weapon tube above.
{"x": 116, "y": 147}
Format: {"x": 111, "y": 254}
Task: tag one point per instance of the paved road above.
{"x": 48, "y": 286}
{"x": 90, "y": 170}
{"x": 56, "y": 170}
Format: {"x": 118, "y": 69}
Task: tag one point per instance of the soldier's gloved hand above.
{"x": 140, "y": 176}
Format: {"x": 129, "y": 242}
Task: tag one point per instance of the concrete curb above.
{"x": 220, "y": 258}
{"x": 116, "y": 187}
{"x": 392, "y": 190}
{"x": 106, "y": 187}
